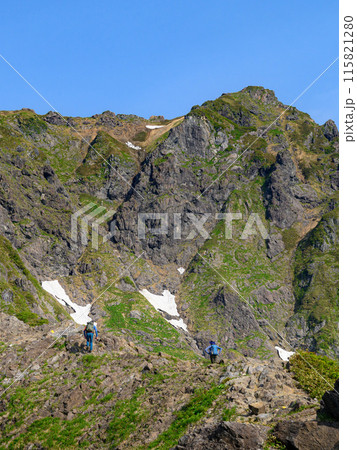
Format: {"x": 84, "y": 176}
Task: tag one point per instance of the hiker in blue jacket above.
{"x": 213, "y": 350}
{"x": 88, "y": 332}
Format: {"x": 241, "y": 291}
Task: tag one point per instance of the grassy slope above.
{"x": 316, "y": 280}
{"x": 151, "y": 329}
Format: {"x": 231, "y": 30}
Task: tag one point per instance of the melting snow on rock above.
{"x": 81, "y": 313}
{"x": 181, "y": 270}
{"x": 153, "y": 127}
{"x": 165, "y": 302}
{"x": 135, "y": 147}
{"x": 284, "y": 354}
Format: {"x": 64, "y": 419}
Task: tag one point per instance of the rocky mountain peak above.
{"x": 72, "y": 202}
{"x": 266, "y": 96}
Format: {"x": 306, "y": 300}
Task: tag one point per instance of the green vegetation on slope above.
{"x": 20, "y": 290}
{"x": 316, "y": 280}
{"x": 191, "y": 413}
{"x": 316, "y": 374}
{"x": 146, "y": 325}
{"x": 127, "y": 417}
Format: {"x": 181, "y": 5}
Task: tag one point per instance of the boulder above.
{"x": 257, "y": 408}
{"x": 330, "y": 402}
{"x": 307, "y": 435}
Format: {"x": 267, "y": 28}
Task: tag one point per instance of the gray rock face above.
{"x": 118, "y": 169}
{"x": 6, "y": 226}
{"x": 117, "y": 185}
{"x": 275, "y": 245}
{"x": 192, "y": 136}
{"x": 240, "y": 321}
{"x": 292, "y": 114}
{"x": 316, "y": 282}
{"x": 283, "y": 206}
{"x": 239, "y": 313}
{"x": 45, "y": 209}
{"x": 280, "y": 142}
{"x": 167, "y": 185}
{"x": 263, "y": 295}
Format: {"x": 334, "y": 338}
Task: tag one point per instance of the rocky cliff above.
{"x": 244, "y": 192}
{"x": 240, "y": 154}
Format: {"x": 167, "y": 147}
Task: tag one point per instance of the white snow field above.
{"x": 181, "y": 270}
{"x": 154, "y": 127}
{"x": 131, "y": 145}
{"x": 165, "y": 302}
{"x": 81, "y": 313}
{"x": 284, "y": 354}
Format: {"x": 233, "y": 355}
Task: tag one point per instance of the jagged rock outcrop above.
{"x": 285, "y": 195}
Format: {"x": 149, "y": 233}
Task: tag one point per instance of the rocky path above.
{"x": 123, "y": 385}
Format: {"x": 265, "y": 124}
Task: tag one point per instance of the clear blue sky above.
{"x": 162, "y": 57}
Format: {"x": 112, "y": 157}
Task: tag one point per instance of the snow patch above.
{"x": 81, "y": 313}
{"x": 181, "y": 270}
{"x": 284, "y": 354}
{"x": 165, "y": 302}
{"x": 178, "y": 324}
{"x": 131, "y": 145}
{"x": 154, "y": 127}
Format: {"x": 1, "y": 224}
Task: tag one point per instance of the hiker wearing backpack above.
{"x": 213, "y": 350}
{"x": 88, "y": 332}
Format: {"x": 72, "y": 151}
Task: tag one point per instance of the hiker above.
{"x": 213, "y": 350}
{"x": 89, "y": 334}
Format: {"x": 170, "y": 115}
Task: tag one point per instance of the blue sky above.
{"x": 160, "y": 57}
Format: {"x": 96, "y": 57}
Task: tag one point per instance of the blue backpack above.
{"x": 214, "y": 349}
